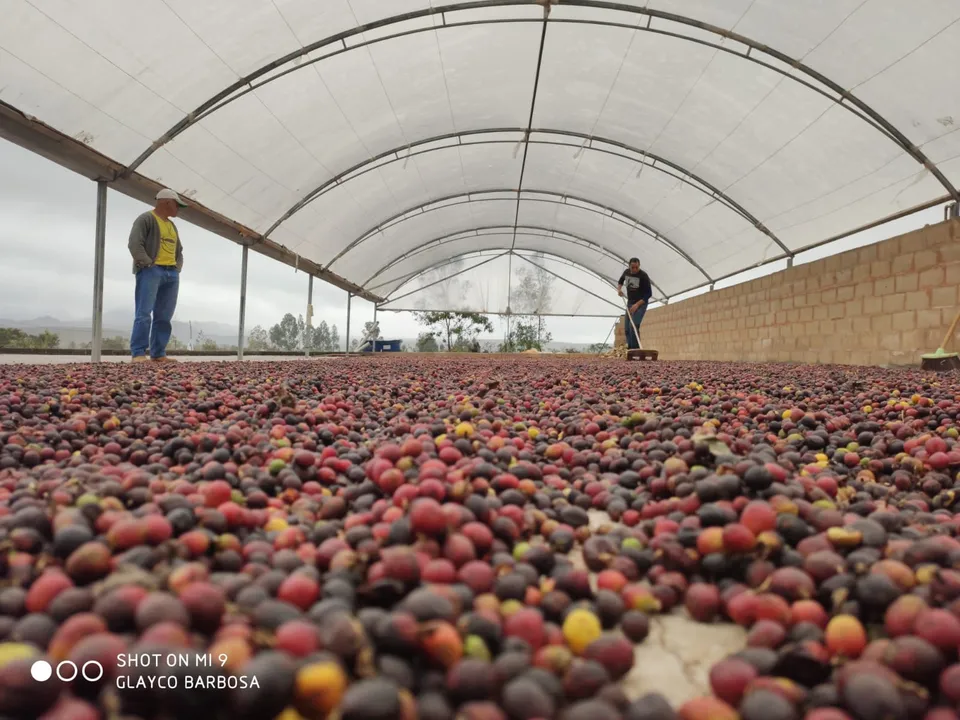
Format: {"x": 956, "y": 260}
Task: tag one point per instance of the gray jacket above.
{"x": 144, "y": 243}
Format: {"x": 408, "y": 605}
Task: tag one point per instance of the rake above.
{"x": 638, "y": 353}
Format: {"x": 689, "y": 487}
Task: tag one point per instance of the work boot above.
{"x": 164, "y": 359}
{"x": 140, "y": 359}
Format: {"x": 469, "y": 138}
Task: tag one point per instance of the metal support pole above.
{"x": 375, "y": 322}
{"x": 99, "y": 254}
{"x": 953, "y": 211}
{"x": 309, "y": 331}
{"x": 790, "y": 261}
{"x": 349, "y": 298}
{"x": 243, "y": 300}
{"x": 712, "y": 286}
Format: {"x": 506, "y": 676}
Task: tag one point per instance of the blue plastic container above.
{"x": 381, "y": 346}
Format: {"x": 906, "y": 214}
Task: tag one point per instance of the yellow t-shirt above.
{"x": 167, "y": 255}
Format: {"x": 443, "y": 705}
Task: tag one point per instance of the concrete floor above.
{"x": 676, "y": 657}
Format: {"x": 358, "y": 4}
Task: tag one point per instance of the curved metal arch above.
{"x": 607, "y": 212}
{"x": 845, "y": 97}
{"x": 521, "y": 231}
{"x": 658, "y": 163}
{"x": 503, "y": 252}
{"x": 580, "y": 266}
{"x": 484, "y": 231}
{"x": 494, "y": 254}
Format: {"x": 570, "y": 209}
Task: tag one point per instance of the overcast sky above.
{"x": 47, "y": 217}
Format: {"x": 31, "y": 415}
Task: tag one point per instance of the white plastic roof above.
{"x": 372, "y": 140}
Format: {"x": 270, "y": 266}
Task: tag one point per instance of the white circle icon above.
{"x": 41, "y": 671}
{"x": 96, "y": 665}
{"x": 69, "y": 664}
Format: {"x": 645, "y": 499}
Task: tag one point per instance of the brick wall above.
{"x": 883, "y": 304}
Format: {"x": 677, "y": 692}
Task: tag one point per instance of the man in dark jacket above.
{"x": 157, "y": 260}
{"x": 639, "y": 292}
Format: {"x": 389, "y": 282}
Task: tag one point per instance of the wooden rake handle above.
{"x": 953, "y": 326}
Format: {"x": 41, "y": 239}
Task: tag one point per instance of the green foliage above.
{"x": 15, "y": 338}
{"x": 598, "y": 348}
{"x": 426, "y": 342}
{"x": 458, "y": 330}
{"x": 291, "y": 334}
{"x": 205, "y": 344}
{"x": 323, "y": 338}
{"x": 258, "y": 340}
{"x": 288, "y": 333}
{"x": 115, "y": 343}
{"x": 175, "y": 344}
{"x": 526, "y": 334}
{"x": 532, "y": 295}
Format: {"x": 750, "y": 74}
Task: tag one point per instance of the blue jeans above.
{"x": 156, "y": 294}
{"x": 633, "y": 343}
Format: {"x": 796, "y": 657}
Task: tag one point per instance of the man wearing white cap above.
{"x": 157, "y": 259}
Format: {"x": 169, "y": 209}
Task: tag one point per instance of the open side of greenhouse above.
{"x": 391, "y": 147}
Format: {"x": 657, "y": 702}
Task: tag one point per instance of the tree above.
{"x": 115, "y": 343}
{"x": 16, "y": 338}
{"x": 258, "y": 339}
{"x": 524, "y": 335}
{"x": 208, "y": 345}
{"x": 426, "y": 342}
{"x": 598, "y": 348}
{"x": 533, "y": 295}
{"x": 12, "y": 337}
{"x": 46, "y": 340}
{"x": 320, "y": 337}
{"x": 334, "y": 339}
{"x": 455, "y": 328}
{"x": 175, "y": 344}
{"x": 287, "y": 334}
{"x": 354, "y": 345}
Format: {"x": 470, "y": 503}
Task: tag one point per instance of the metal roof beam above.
{"x": 658, "y": 163}
{"x": 522, "y": 229}
{"x": 37, "y": 137}
{"x": 449, "y": 277}
{"x": 845, "y": 98}
{"x": 501, "y": 252}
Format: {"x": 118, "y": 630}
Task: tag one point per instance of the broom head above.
{"x": 940, "y": 361}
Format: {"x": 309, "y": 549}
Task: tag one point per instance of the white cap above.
{"x": 167, "y": 194}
